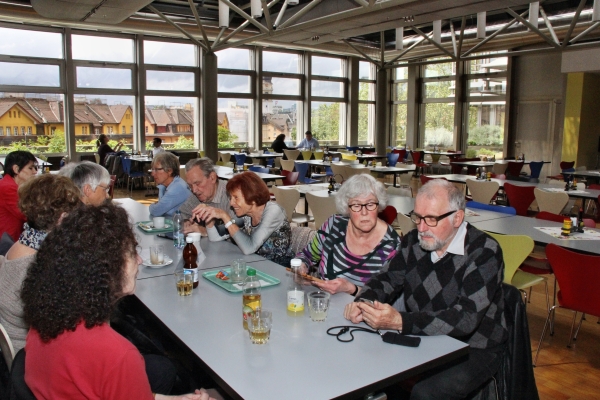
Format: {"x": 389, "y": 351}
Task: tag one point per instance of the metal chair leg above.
{"x": 553, "y": 313}
{"x": 572, "y": 326}
{"x": 579, "y": 326}
{"x": 530, "y": 289}
{"x": 537, "y": 353}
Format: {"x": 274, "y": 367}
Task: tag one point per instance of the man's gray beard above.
{"x": 435, "y": 246}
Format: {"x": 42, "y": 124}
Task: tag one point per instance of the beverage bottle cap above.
{"x": 295, "y": 262}
{"x": 251, "y": 272}
{"x": 189, "y": 239}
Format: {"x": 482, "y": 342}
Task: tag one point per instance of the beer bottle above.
{"x": 189, "y": 258}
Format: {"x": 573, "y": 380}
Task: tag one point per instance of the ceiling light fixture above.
{"x": 400, "y": 38}
{"x": 223, "y": 15}
{"x": 256, "y": 8}
{"x": 534, "y": 13}
{"x": 481, "y": 21}
{"x": 437, "y": 31}
{"x": 293, "y": 2}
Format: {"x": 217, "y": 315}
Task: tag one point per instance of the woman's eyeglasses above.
{"x": 358, "y": 207}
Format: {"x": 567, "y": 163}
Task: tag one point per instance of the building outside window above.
{"x": 328, "y": 100}
{"x": 486, "y": 106}
{"x": 399, "y": 107}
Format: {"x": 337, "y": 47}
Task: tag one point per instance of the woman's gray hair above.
{"x": 431, "y": 190}
{"x": 360, "y": 185}
{"x": 204, "y": 163}
{"x": 86, "y": 173}
{"x": 168, "y": 161}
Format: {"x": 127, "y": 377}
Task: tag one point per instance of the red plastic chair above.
{"x": 519, "y": 197}
{"x": 514, "y": 168}
{"x": 111, "y": 186}
{"x": 388, "y": 214}
{"x": 417, "y": 156}
{"x": 290, "y": 177}
{"x": 402, "y": 155}
{"x": 577, "y": 276}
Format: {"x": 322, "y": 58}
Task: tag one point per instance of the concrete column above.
{"x": 210, "y": 105}
{"x": 413, "y": 99}
{"x": 69, "y": 102}
{"x": 352, "y": 110}
{"x": 139, "y": 133}
{"x": 382, "y": 111}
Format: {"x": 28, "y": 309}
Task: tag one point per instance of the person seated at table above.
{"x": 157, "y": 146}
{"x": 355, "y": 244}
{"x": 308, "y": 142}
{"x": 279, "y": 145}
{"x": 70, "y": 290}
{"x": 44, "y": 200}
{"x": 450, "y": 274}
{"x": 207, "y": 189}
{"x": 172, "y": 190}
{"x": 19, "y": 167}
{"x": 265, "y": 230}
{"x": 104, "y": 148}
{"x": 93, "y": 180}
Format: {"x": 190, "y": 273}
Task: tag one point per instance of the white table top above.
{"x": 518, "y": 225}
{"x": 300, "y": 361}
{"x": 218, "y": 254}
{"x": 227, "y": 173}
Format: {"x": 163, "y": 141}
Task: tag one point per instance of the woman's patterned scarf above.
{"x": 32, "y": 237}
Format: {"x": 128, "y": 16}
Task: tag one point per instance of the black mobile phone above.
{"x": 369, "y": 302}
{"x": 165, "y": 236}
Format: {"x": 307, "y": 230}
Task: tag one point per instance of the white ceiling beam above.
{"x": 245, "y": 15}
{"x": 299, "y": 14}
{"x": 573, "y": 24}
{"x": 433, "y": 42}
{"x": 359, "y": 51}
{"x": 493, "y": 35}
{"x": 533, "y": 28}
{"x": 199, "y": 22}
{"x": 549, "y": 25}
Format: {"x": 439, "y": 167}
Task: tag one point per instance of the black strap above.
{"x": 388, "y": 337}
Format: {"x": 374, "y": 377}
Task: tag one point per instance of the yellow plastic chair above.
{"x": 350, "y": 157}
{"x": 201, "y": 153}
{"x": 306, "y": 154}
{"x": 515, "y": 249}
{"x": 318, "y": 155}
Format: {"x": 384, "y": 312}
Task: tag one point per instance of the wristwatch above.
{"x": 228, "y": 224}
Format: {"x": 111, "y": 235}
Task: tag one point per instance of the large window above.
{"x": 437, "y": 123}
{"x": 486, "y": 106}
{"x": 399, "y": 107}
{"x": 282, "y": 97}
{"x": 328, "y": 100}
{"x": 172, "y": 93}
{"x": 31, "y": 100}
{"x": 236, "y": 94}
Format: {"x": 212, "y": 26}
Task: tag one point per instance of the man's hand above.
{"x": 352, "y": 313}
{"x": 189, "y": 226}
{"x": 380, "y": 316}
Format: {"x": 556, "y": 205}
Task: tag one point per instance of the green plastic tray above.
{"x": 266, "y": 280}
{"x": 147, "y": 227}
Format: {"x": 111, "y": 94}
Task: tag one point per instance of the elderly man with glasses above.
{"x": 450, "y": 275}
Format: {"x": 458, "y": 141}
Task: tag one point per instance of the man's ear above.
{"x": 460, "y": 217}
{"x": 87, "y": 190}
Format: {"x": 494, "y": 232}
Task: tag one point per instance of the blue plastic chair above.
{"x": 256, "y": 168}
{"x": 392, "y": 159}
{"x": 126, "y": 163}
{"x": 240, "y": 159}
{"x": 491, "y": 207}
{"x": 270, "y": 162}
{"x": 302, "y": 169}
{"x": 536, "y": 168}
{"x": 353, "y": 149}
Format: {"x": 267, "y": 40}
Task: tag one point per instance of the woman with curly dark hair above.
{"x": 82, "y": 269}
{"x": 43, "y": 200}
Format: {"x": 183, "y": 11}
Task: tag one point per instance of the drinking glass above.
{"x": 157, "y": 254}
{"x": 259, "y": 326}
{"x": 238, "y": 271}
{"x": 184, "y": 281}
{"x": 318, "y": 304}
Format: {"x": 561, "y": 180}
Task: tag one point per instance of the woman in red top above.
{"x": 80, "y": 272}
{"x": 19, "y": 167}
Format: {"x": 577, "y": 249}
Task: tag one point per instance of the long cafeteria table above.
{"x": 209, "y": 323}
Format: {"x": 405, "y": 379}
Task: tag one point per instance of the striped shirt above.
{"x": 329, "y": 253}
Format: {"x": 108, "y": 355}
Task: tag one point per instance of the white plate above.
{"x": 147, "y": 263}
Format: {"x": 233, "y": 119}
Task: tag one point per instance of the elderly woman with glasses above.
{"x": 355, "y": 244}
{"x": 172, "y": 190}
{"x": 92, "y": 179}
